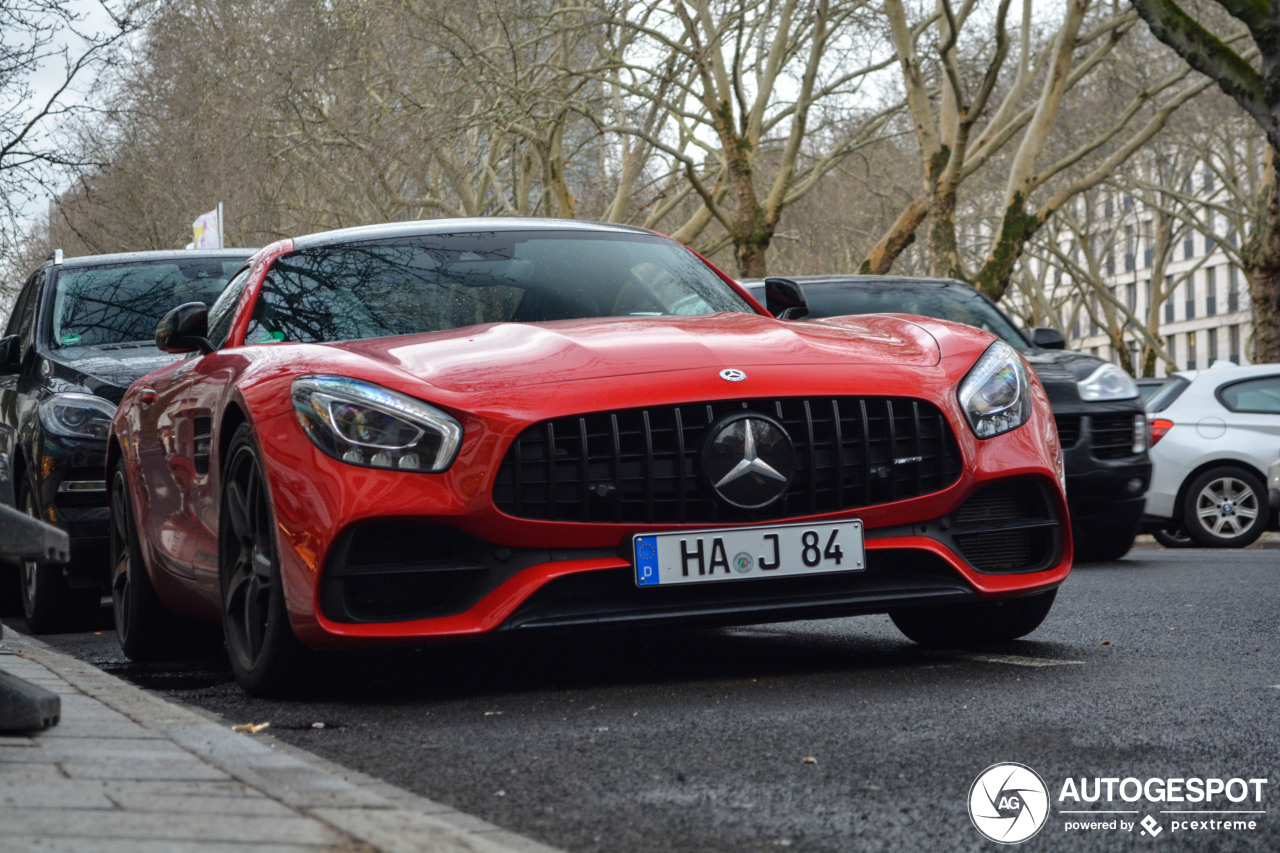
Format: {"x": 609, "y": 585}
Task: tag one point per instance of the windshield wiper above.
{"x": 128, "y": 345}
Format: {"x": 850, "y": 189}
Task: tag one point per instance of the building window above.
{"x": 1108, "y": 206}
{"x": 1109, "y": 265}
{"x": 1191, "y": 295}
{"x": 1233, "y": 290}
{"x": 1172, "y": 346}
{"x": 1146, "y": 289}
{"x": 1233, "y": 343}
{"x": 1168, "y": 299}
{"x": 1211, "y": 291}
{"x": 1213, "y": 345}
{"x": 1191, "y": 350}
{"x": 1189, "y": 247}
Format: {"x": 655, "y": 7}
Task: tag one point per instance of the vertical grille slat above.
{"x": 643, "y": 465}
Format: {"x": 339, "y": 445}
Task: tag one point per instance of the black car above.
{"x": 1099, "y": 412}
{"x": 81, "y": 330}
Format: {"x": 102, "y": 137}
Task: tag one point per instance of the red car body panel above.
{"x": 496, "y": 380}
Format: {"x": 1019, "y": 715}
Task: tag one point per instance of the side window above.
{"x": 223, "y": 311}
{"x": 1260, "y": 395}
{"x": 24, "y": 309}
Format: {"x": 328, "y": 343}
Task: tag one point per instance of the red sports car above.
{"x": 446, "y": 429}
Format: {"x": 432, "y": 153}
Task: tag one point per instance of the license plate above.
{"x": 739, "y": 553}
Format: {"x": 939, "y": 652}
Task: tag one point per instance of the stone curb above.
{"x": 373, "y": 814}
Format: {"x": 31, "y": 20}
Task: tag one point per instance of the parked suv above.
{"x": 81, "y": 330}
{"x": 1099, "y": 412}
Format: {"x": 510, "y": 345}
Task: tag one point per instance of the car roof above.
{"x": 454, "y": 226}
{"x": 1223, "y": 374}
{"x": 154, "y": 257}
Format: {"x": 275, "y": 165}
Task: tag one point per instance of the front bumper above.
{"x": 412, "y": 558}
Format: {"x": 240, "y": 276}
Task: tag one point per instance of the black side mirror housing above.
{"x": 785, "y": 299}
{"x": 185, "y": 329}
{"x": 1047, "y": 338}
{"x": 10, "y": 355}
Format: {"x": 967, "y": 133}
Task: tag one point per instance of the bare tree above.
{"x": 762, "y": 101}
{"x": 1205, "y": 36}
{"x": 50, "y": 54}
{"x": 978, "y": 102}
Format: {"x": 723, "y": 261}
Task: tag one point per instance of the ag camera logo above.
{"x": 1008, "y": 803}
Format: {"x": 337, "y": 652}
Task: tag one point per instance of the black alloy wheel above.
{"x": 146, "y": 630}
{"x": 979, "y": 623}
{"x": 264, "y": 653}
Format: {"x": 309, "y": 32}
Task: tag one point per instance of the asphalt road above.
{"x": 825, "y": 736}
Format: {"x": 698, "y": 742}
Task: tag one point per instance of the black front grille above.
{"x": 1111, "y": 435}
{"x": 644, "y": 465}
{"x": 1068, "y": 429}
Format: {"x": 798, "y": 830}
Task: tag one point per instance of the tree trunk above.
{"x": 1262, "y": 269}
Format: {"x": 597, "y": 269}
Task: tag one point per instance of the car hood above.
{"x": 104, "y": 371}
{"x": 505, "y": 355}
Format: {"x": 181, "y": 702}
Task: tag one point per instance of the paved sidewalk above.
{"x": 127, "y": 771}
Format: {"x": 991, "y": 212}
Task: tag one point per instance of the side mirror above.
{"x": 1047, "y": 338}
{"x": 185, "y": 329}
{"x": 785, "y": 299}
{"x": 10, "y": 355}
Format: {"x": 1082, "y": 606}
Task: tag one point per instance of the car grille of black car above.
{"x": 1112, "y": 435}
{"x": 1068, "y": 429}
{"x": 643, "y": 465}
{"x": 1009, "y": 526}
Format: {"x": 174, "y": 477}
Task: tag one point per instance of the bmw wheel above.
{"x": 1225, "y": 507}
{"x": 264, "y": 653}
{"x": 974, "y": 624}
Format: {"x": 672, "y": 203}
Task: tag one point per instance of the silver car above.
{"x": 1214, "y": 434}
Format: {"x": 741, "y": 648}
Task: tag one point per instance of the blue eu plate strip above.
{"x": 646, "y": 548}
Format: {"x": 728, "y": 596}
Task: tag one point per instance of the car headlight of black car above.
{"x": 995, "y": 394}
{"x": 77, "y": 415}
{"x": 366, "y": 424}
{"x": 1107, "y": 382}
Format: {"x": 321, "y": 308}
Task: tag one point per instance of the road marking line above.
{"x": 1017, "y": 660}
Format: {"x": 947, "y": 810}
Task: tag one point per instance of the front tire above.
{"x": 145, "y": 629}
{"x": 49, "y": 603}
{"x": 1225, "y": 507}
{"x": 981, "y": 623}
{"x": 1101, "y": 544}
{"x": 265, "y": 655}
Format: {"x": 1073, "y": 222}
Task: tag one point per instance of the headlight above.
{"x": 77, "y": 415}
{"x": 995, "y": 395}
{"x": 366, "y": 424}
{"x": 1108, "y": 382}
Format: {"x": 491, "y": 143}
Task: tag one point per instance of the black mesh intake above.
{"x": 1007, "y": 527}
{"x": 643, "y": 465}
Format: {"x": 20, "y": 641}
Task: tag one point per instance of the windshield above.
{"x": 944, "y": 302}
{"x": 96, "y": 306}
{"x": 431, "y": 283}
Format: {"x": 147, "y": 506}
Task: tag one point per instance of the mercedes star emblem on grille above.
{"x": 748, "y": 460}
{"x": 733, "y": 374}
